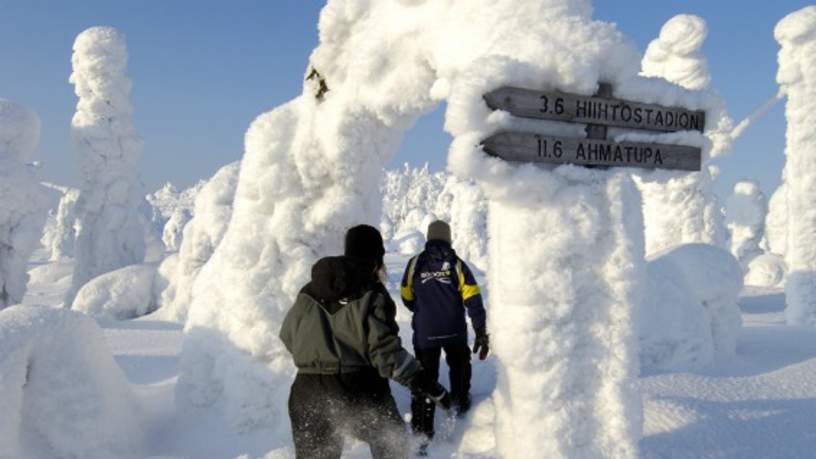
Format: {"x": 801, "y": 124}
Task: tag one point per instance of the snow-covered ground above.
{"x": 759, "y": 404}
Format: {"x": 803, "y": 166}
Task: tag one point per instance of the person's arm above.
{"x": 407, "y": 285}
{"x": 384, "y": 345}
{"x": 472, "y": 297}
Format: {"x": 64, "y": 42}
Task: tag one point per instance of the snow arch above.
{"x": 563, "y": 276}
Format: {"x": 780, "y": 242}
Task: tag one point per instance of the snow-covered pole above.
{"x": 22, "y": 199}
{"x": 682, "y": 208}
{"x": 109, "y": 234}
{"x": 796, "y": 34}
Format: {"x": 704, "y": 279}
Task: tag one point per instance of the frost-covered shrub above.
{"x": 213, "y": 210}
{"x": 745, "y": 212}
{"x": 61, "y": 392}
{"x": 61, "y": 240}
{"x": 796, "y": 34}
{"x": 684, "y": 281}
{"x": 23, "y": 201}
{"x": 123, "y": 294}
{"x": 168, "y": 201}
{"x": 410, "y": 195}
{"x": 109, "y": 231}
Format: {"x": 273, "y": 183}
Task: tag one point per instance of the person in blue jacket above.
{"x": 438, "y": 287}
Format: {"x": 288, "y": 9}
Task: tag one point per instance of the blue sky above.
{"x": 202, "y": 70}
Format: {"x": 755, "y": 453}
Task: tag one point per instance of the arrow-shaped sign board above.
{"x": 606, "y": 111}
{"x": 527, "y": 147}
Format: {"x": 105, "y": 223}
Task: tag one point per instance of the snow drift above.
{"x": 109, "y": 230}
{"x": 691, "y": 317}
{"x": 61, "y": 392}
{"x": 566, "y": 243}
{"x": 125, "y": 293}
{"x": 796, "y": 34}
{"x": 23, "y": 201}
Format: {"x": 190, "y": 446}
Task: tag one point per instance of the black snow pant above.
{"x": 458, "y": 358}
{"x": 322, "y": 408}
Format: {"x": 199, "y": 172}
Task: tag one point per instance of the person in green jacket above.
{"x": 344, "y": 340}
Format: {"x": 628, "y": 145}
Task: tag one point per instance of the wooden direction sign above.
{"x": 597, "y": 112}
{"x": 517, "y": 146}
{"x": 607, "y": 111}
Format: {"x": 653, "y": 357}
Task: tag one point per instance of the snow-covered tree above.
{"x": 62, "y": 240}
{"x": 745, "y": 212}
{"x": 676, "y": 54}
{"x": 109, "y": 231}
{"x": 682, "y": 208}
{"x": 463, "y": 204}
{"x": 796, "y": 33}
{"x": 23, "y": 201}
{"x": 776, "y": 222}
{"x": 201, "y": 236}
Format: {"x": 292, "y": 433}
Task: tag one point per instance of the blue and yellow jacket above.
{"x": 438, "y": 287}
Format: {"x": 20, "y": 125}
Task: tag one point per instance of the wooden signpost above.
{"x": 598, "y": 112}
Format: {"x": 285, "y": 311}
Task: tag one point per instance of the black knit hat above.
{"x": 364, "y": 242}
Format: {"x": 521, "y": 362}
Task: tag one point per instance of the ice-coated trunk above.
{"x": 796, "y": 34}
{"x": 565, "y": 277}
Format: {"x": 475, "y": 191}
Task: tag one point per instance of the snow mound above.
{"x": 685, "y": 281}
{"x": 123, "y": 294}
{"x": 767, "y": 270}
{"x": 61, "y": 392}
{"x": 674, "y": 327}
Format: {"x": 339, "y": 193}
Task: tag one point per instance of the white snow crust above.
{"x": 745, "y": 212}
{"x": 60, "y": 238}
{"x": 61, "y": 392}
{"x": 766, "y": 270}
{"x": 796, "y": 34}
{"x": 23, "y": 200}
{"x": 109, "y": 231}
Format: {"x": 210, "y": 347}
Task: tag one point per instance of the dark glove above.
{"x": 482, "y": 344}
{"x": 432, "y": 389}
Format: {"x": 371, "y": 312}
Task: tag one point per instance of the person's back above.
{"x": 344, "y": 340}
{"x": 438, "y": 287}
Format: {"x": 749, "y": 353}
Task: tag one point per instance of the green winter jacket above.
{"x": 343, "y": 322}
